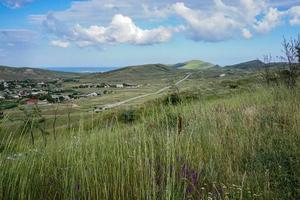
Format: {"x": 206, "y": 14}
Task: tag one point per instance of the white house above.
{"x": 119, "y": 85}
{"x": 94, "y": 94}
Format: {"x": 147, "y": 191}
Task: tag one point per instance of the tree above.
{"x": 291, "y": 50}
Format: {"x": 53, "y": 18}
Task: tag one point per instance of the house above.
{"x": 117, "y": 85}
{"x": 5, "y": 85}
{"x": 100, "y": 108}
{"x": 222, "y": 75}
{"x": 94, "y": 94}
{"x": 56, "y": 98}
{"x": 15, "y": 97}
{"x": 32, "y": 101}
{"x": 66, "y": 97}
{"x": 130, "y": 85}
{"x": 44, "y": 102}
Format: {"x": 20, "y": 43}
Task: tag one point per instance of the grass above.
{"x": 241, "y": 146}
{"x": 194, "y": 65}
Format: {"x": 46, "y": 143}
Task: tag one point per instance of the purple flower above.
{"x": 194, "y": 177}
{"x": 189, "y": 189}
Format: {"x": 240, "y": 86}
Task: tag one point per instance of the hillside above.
{"x": 13, "y": 73}
{"x": 249, "y": 65}
{"x": 112, "y": 156}
{"x": 193, "y": 65}
{"x": 139, "y": 71}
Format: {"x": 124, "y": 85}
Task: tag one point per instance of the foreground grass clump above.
{"x": 244, "y": 146}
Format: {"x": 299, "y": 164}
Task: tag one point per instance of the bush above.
{"x": 8, "y": 105}
{"x": 172, "y": 99}
{"x": 128, "y": 116}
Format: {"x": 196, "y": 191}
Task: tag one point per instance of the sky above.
{"x": 115, "y": 33}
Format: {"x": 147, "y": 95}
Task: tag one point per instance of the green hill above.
{"x": 139, "y": 71}
{"x": 250, "y": 65}
{"x": 193, "y": 65}
{"x": 14, "y": 73}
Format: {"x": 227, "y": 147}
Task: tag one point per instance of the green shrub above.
{"x": 8, "y": 105}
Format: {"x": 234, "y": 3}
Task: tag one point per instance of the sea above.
{"x": 82, "y": 69}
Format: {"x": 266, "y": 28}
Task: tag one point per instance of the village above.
{"x": 32, "y": 92}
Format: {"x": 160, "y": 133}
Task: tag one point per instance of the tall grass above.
{"x": 244, "y": 146}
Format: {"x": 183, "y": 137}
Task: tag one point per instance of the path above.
{"x": 108, "y": 106}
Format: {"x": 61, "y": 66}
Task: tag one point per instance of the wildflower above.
{"x": 194, "y": 177}
{"x": 189, "y": 189}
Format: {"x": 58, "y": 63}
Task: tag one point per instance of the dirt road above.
{"x": 109, "y": 106}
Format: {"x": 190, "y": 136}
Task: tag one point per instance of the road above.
{"x": 109, "y": 106}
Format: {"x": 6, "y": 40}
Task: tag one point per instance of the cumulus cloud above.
{"x": 214, "y": 26}
{"x": 122, "y": 29}
{"x": 60, "y": 43}
{"x": 222, "y": 21}
{"x": 246, "y": 33}
{"x": 15, "y": 3}
{"x": 110, "y": 22}
{"x": 271, "y": 20}
{"x": 294, "y": 13}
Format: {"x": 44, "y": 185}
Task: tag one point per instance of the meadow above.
{"x": 237, "y": 145}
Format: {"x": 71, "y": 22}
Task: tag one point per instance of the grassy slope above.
{"x": 250, "y": 65}
{"x": 193, "y": 65}
{"x": 12, "y": 73}
{"x": 242, "y": 146}
{"x": 136, "y": 72}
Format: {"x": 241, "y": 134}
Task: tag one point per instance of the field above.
{"x": 217, "y": 142}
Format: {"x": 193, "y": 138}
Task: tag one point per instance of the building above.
{"x": 94, "y": 94}
{"x": 117, "y": 85}
{"x": 130, "y": 85}
{"x": 100, "y": 108}
{"x": 44, "y": 102}
{"x": 32, "y": 101}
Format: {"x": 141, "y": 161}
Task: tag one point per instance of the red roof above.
{"x": 31, "y": 101}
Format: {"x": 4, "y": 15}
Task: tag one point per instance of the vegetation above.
{"x": 234, "y": 136}
{"x": 243, "y": 146}
{"x": 194, "y": 65}
{"x": 10, "y": 73}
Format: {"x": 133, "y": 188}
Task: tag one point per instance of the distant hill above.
{"x": 193, "y": 65}
{"x": 250, "y": 65}
{"x": 13, "y": 73}
{"x": 134, "y": 72}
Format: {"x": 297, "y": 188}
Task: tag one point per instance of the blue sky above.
{"x": 99, "y": 33}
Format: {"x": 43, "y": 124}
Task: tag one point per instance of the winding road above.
{"x": 109, "y": 106}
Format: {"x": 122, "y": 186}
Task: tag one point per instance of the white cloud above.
{"x": 206, "y": 20}
{"x": 294, "y": 13}
{"x": 15, "y": 3}
{"x": 122, "y": 30}
{"x": 208, "y": 26}
{"x": 271, "y": 20}
{"x": 246, "y": 33}
{"x": 60, "y": 43}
